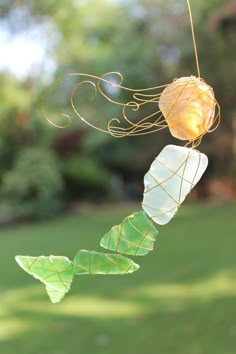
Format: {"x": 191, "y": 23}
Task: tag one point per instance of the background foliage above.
{"x": 150, "y": 43}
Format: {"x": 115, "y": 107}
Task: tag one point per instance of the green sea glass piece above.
{"x": 134, "y": 236}
{"x": 56, "y": 272}
{"x": 91, "y": 262}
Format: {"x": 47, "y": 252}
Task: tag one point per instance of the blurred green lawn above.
{"x": 181, "y": 301}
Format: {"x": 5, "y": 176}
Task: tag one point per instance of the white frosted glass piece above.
{"x": 172, "y": 175}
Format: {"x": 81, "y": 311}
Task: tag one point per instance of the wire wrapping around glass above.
{"x": 172, "y": 175}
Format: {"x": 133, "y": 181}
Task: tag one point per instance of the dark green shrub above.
{"x": 33, "y": 186}
{"x": 86, "y": 178}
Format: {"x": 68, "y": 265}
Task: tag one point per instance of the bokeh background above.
{"x": 62, "y": 189}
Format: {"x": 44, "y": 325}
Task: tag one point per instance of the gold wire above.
{"x": 140, "y": 98}
{"x": 193, "y": 37}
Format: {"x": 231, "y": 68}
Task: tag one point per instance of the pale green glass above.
{"x": 134, "y": 236}
{"x": 56, "y": 272}
{"x": 91, "y": 262}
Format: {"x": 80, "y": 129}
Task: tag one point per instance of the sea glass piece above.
{"x": 188, "y": 105}
{"x": 172, "y": 175}
{"x": 134, "y": 236}
{"x": 56, "y": 272}
{"x": 91, "y": 262}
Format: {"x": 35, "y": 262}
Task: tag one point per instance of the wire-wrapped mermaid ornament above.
{"x": 189, "y": 108}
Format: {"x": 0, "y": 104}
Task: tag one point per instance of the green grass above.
{"x": 181, "y": 301}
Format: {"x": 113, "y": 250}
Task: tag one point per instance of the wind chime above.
{"x": 188, "y": 107}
